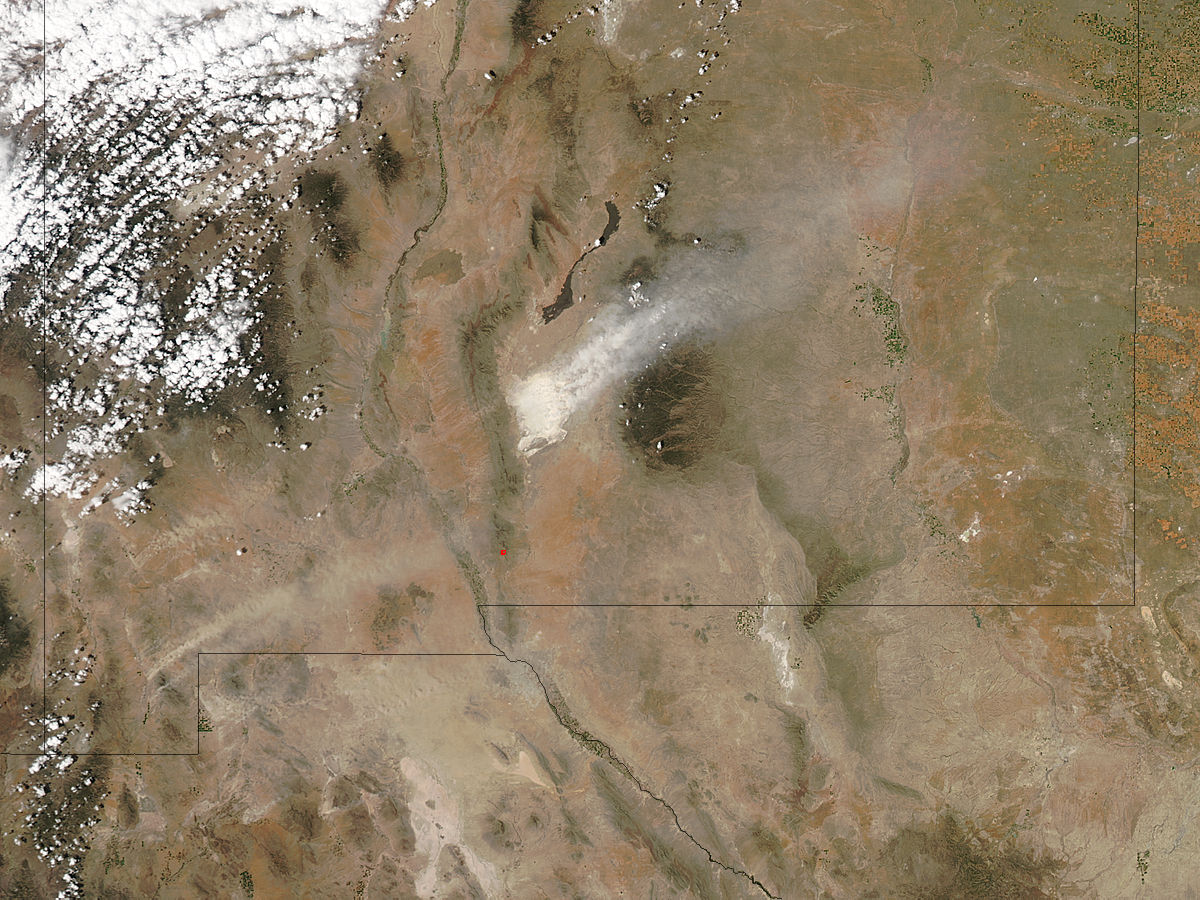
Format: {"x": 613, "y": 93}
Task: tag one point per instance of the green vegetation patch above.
{"x": 887, "y": 311}
{"x": 671, "y": 413}
{"x": 14, "y": 633}
{"x": 388, "y": 162}
{"x": 953, "y": 858}
{"x": 323, "y": 194}
{"x": 748, "y": 621}
{"x": 832, "y": 579}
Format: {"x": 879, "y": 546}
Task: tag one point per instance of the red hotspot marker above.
{"x": 502, "y": 552}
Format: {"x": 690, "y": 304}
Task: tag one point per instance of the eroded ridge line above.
{"x": 460, "y": 16}
{"x": 423, "y": 228}
{"x": 393, "y": 279}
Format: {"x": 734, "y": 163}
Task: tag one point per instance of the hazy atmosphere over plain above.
{"x": 720, "y": 449}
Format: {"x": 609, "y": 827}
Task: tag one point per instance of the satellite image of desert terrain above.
{"x": 600, "y": 449}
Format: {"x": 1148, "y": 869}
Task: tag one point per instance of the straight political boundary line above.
{"x": 199, "y": 704}
{"x": 1137, "y": 256}
{"x": 44, "y": 281}
{"x": 810, "y": 604}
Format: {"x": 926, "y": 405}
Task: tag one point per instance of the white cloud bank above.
{"x": 147, "y": 103}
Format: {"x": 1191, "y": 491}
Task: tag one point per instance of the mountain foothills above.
{"x": 623, "y": 449}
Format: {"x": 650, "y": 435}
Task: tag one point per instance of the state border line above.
{"x": 809, "y": 605}
{"x": 199, "y": 704}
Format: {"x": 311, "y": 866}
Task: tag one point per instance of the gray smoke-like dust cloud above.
{"x": 695, "y": 297}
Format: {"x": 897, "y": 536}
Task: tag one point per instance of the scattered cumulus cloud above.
{"x": 160, "y": 117}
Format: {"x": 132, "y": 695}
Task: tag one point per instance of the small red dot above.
{"x": 502, "y": 552}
